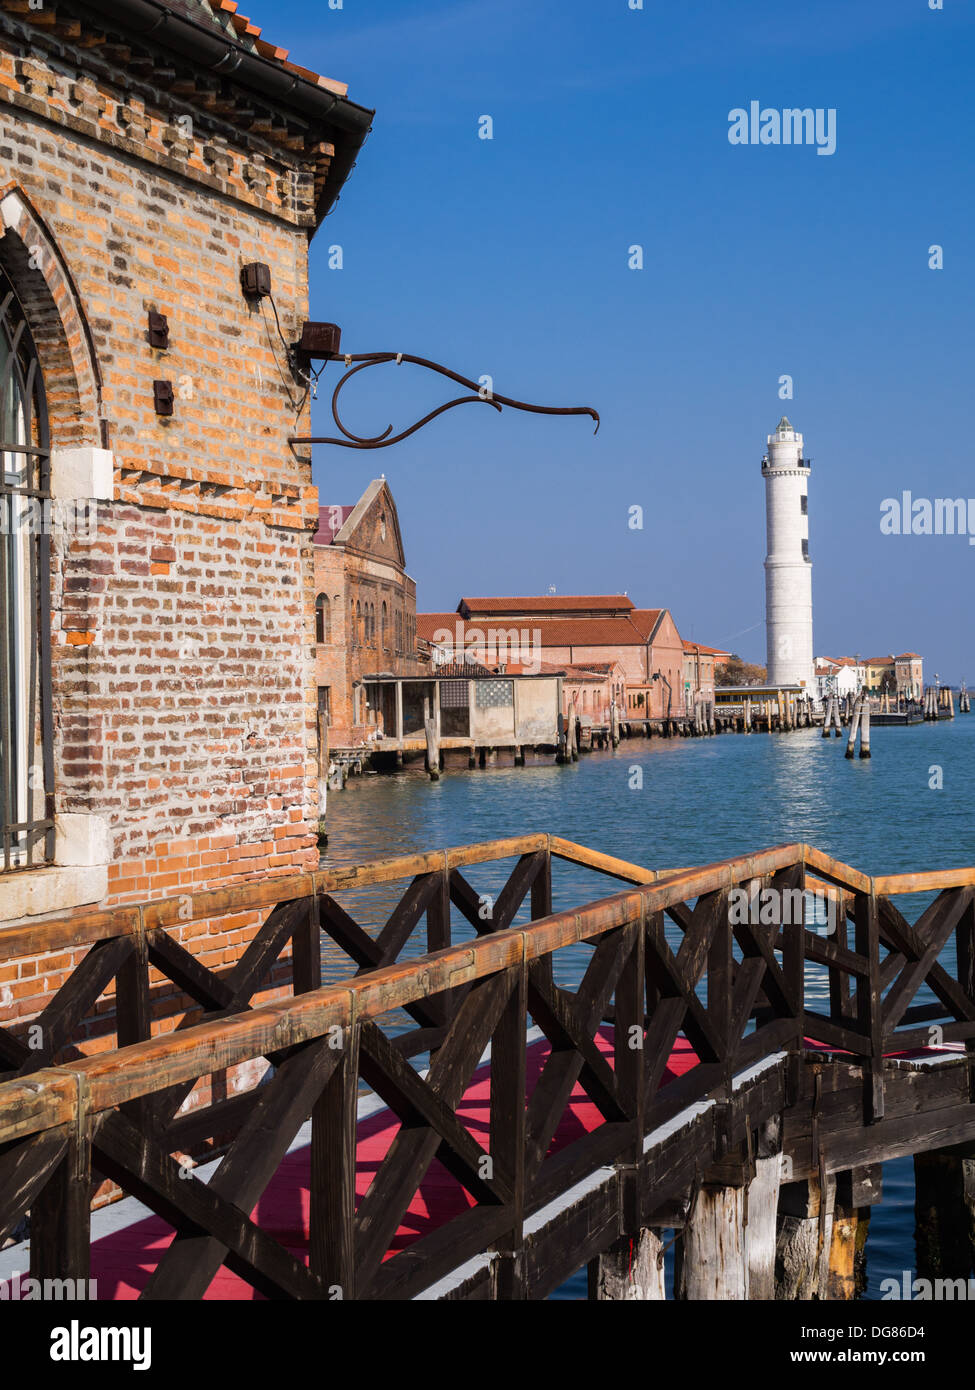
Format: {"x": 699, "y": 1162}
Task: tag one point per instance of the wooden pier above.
{"x": 681, "y": 1083}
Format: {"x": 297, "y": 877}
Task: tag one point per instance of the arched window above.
{"x": 26, "y": 722}
{"x": 323, "y": 622}
{"x": 383, "y": 633}
{"x": 358, "y": 621}
{"x": 399, "y": 631}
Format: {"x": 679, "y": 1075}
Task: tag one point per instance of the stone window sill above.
{"x": 77, "y": 878}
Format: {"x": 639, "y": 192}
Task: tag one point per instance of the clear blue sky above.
{"x": 510, "y": 257}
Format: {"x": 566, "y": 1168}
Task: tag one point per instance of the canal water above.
{"x": 669, "y": 803}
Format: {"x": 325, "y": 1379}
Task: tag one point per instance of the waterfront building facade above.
{"x": 365, "y": 618}
{"x": 575, "y": 631}
{"x": 159, "y": 715}
{"x": 788, "y": 566}
{"x": 699, "y": 664}
{"x": 895, "y": 675}
{"x": 843, "y": 676}
{"x": 900, "y": 675}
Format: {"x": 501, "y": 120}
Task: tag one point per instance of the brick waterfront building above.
{"x": 158, "y": 695}
{"x": 365, "y": 615}
{"x": 699, "y": 664}
{"x": 585, "y": 631}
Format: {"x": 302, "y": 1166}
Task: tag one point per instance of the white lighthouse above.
{"x": 788, "y": 568}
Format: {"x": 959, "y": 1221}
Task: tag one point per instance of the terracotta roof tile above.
{"x": 546, "y": 632}
{"x": 547, "y": 603}
{"x": 705, "y": 651}
{"x": 224, "y": 17}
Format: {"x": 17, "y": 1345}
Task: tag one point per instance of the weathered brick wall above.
{"x": 183, "y": 627}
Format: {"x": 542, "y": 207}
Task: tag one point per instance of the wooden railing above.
{"x": 731, "y": 985}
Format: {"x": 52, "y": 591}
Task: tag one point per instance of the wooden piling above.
{"x": 828, "y": 716}
{"x": 865, "y": 730}
{"x": 433, "y": 745}
{"x": 633, "y": 1268}
{"x": 854, "y": 726}
{"x": 944, "y": 1215}
{"x": 763, "y": 1202}
{"x": 711, "y": 1251}
{"x": 804, "y": 1238}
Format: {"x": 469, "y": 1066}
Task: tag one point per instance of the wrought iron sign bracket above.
{"x": 321, "y": 342}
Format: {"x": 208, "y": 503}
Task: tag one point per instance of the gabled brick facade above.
{"x": 367, "y": 603}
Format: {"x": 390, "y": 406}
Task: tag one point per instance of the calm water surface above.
{"x": 701, "y": 800}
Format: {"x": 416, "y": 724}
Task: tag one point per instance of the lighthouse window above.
{"x": 805, "y": 550}
{"x": 804, "y": 504}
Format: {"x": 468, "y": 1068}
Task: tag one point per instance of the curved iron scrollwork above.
{"x": 386, "y": 438}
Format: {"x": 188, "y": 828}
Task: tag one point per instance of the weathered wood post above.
{"x": 865, "y": 730}
{"x": 711, "y": 1252}
{"x": 433, "y": 745}
{"x": 60, "y": 1215}
{"x": 573, "y": 732}
{"x": 763, "y": 1203}
{"x": 828, "y": 716}
{"x": 614, "y": 724}
{"x": 748, "y": 714}
{"x": 805, "y": 1229}
{"x": 854, "y": 726}
{"x": 632, "y": 1268}
{"x": 857, "y": 1189}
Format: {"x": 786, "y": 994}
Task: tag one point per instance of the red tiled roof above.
{"x": 910, "y": 656}
{"x": 550, "y": 632}
{"x": 878, "y": 661}
{"x": 645, "y": 620}
{"x": 547, "y": 603}
{"x": 705, "y": 651}
{"x": 224, "y": 16}
{"x": 429, "y": 623}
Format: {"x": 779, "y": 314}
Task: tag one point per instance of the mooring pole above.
{"x": 854, "y": 726}
{"x": 865, "y": 730}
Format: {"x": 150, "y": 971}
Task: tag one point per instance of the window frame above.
{"x": 27, "y": 839}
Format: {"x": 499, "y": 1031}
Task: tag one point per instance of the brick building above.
{"x": 157, "y": 710}
{"x": 699, "y": 664}
{"x": 365, "y": 616}
{"x": 576, "y": 631}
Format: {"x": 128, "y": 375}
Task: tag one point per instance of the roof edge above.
{"x": 215, "y": 52}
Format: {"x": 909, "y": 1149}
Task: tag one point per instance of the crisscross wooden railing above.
{"x": 673, "y": 961}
